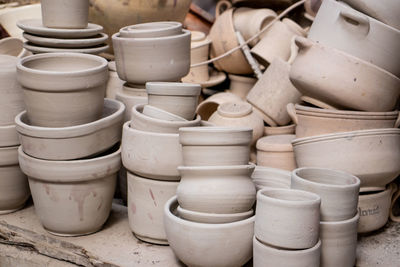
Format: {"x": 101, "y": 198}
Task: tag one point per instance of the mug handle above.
{"x": 394, "y": 197}
{"x": 292, "y": 112}
{"x": 355, "y": 20}
{"x": 221, "y": 7}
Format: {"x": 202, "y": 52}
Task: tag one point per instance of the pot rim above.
{"x": 158, "y": 27}
{"x": 288, "y": 252}
{"x": 312, "y": 198}
{"x": 377, "y": 195}
{"x": 215, "y": 215}
{"x": 173, "y": 89}
{"x": 171, "y": 116}
{"x": 340, "y": 223}
{"x": 201, "y": 169}
{"x": 127, "y": 128}
{"x": 142, "y": 40}
{"x": 275, "y": 146}
{"x": 206, "y": 135}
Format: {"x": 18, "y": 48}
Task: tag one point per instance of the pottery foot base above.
{"x": 152, "y": 240}
{"x": 316, "y": 102}
{"x": 2, "y": 212}
{"x": 72, "y": 235}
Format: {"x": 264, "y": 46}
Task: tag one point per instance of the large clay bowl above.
{"x": 371, "y": 155}
{"x": 204, "y": 244}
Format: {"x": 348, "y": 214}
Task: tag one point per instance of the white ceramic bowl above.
{"x": 203, "y": 217}
{"x": 151, "y": 29}
{"x": 160, "y": 114}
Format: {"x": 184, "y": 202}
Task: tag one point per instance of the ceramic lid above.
{"x": 234, "y": 109}
{"x": 278, "y": 143}
{"x": 173, "y": 88}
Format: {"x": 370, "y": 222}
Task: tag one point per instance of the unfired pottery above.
{"x": 114, "y": 83}
{"x": 66, "y": 42}
{"x": 151, "y": 29}
{"x": 160, "y": 114}
{"x": 13, "y": 46}
{"x": 206, "y": 108}
{"x": 277, "y": 130}
{"x": 131, "y": 96}
{"x": 8, "y": 136}
{"x": 68, "y": 14}
{"x": 266, "y": 177}
{"x": 37, "y": 49}
{"x": 394, "y": 216}
{"x": 241, "y": 85}
{"x": 203, "y": 217}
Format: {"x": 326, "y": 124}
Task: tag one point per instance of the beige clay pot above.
{"x": 114, "y": 83}
{"x": 131, "y": 95}
{"x": 266, "y": 177}
{"x": 8, "y": 136}
{"x": 152, "y": 29}
{"x": 241, "y": 85}
{"x": 206, "y": 108}
{"x": 278, "y": 130}
{"x": 67, "y": 14}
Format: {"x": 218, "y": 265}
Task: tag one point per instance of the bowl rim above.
{"x": 185, "y": 33}
{"x": 288, "y": 252}
{"x": 312, "y": 198}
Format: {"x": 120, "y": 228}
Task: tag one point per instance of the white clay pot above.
{"x": 266, "y": 177}
{"x": 131, "y": 95}
{"x": 8, "y": 136}
{"x": 160, "y": 114}
{"x": 213, "y": 240}
{"x": 203, "y": 217}
{"x": 287, "y": 218}
{"x": 241, "y": 85}
{"x": 199, "y": 52}
{"x": 66, "y": 14}
{"x": 114, "y": 83}
{"x": 278, "y": 130}
{"x": 152, "y": 29}
{"x": 206, "y": 108}
{"x": 146, "y": 200}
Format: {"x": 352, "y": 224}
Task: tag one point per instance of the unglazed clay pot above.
{"x": 276, "y": 152}
{"x": 14, "y": 189}
{"x": 146, "y": 200}
{"x": 72, "y": 198}
{"x": 339, "y": 242}
{"x": 13, "y": 46}
{"x": 278, "y": 130}
{"x": 265, "y": 177}
{"x": 114, "y": 83}
{"x": 73, "y": 142}
{"x": 63, "y": 89}
{"x": 152, "y": 29}
{"x": 241, "y": 85}
{"x": 67, "y": 14}
{"x": 269, "y": 256}
{"x": 141, "y": 60}
{"x": 216, "y": 189}
{"x": 364, "y": 86}
{"x": 316, "y": 121}
{"x": 131, "y": 96}
{"x": 371, "y": 155}
{"x": 215, "y": 146}
{"x": 178, "y": 98}
{"x": 203, "y": 217}
{"x": 8, "y": 136}
{"x": 338, "y": 191}
{"x": 213, "y": 240}
{"x": 160, "y": 114}
{"x": 152, "y": 155}
{"x": 206, "y": 108}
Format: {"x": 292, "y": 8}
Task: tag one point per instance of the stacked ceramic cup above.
{"x": 69, "y": 139}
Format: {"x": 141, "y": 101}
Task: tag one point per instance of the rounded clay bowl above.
{"x": 151, "y": 29}
{"x": 203, "y": 217}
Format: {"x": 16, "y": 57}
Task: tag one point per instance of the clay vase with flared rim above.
{"x": 364, "y": 86}
{"x": 63, "y": 89}
{"x": 72, "y": 197}
{"x": 65, "y": 14}
{"x": 339, "y": 242}
{"x": 146, "y": 200}
{"x": 223, "y": 37}
{"x": 276, "y": 152}
{"x": 287, "y": 218}
{"x": 238, "y": 115}
{"x": 213, "y": 240}
{"x": 374, "y": 208}
{"x": 338, "y": 191}
{"x": 73, "y": 142}
{"x": 269, "y": 256}
{"x": 114, "y": 83}
{"x": 315, "y": 121}
{"x": 273, "y": 92}
{"x": 152, "y": 29}
{"x": 207, "y": 107}
{"x": 160, "y": 114}
{"x": 241, "y": 85}
{"x": 141, "y": 60}
{"x": 266, "y": 177}
{"x": 141, "y": 122}
{"x": 371, "y": 155}
{"x": 151, "y": 155}
{"x": 278, "y": 130}
{"x": 216, "y": 189}
{"x": 215, "y": 146}
{"x": 13, "y": 46}
{"x": 358, "y": 35}
{"x": 14, "y": 189}
{"x": 11, "y": 97}
{"x": 178, "y": 98}
{"x": 131, "y": 95}
{"x": 8, "y": 136}
{"x": 203, "y": 217}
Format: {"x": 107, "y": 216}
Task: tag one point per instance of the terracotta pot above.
{"x": 63, "y": 89}
{"x": 131, "y": 95}
{"x": 213, "y": 240}
{"x": 357, "y": 34}
{"x": 276, "y": 152}
{"x": 152, "y": 29}
{"x": 178, "y": 98}
{"x": 14, "y": 189}
{"x": 160, "y": 114}
{"x": 371, "y": 155}
{"x": 269, "y": 256}
{"x": 146, "y": 200}
{"x": 339, "y": 242}
{"x": 72, "y": 142}
{"x": 216, "y": 189}
{"x": 8, "y": 136}
{"x": 151, "y": 155}
{"x": 141, "y": 60}
{"x": 72, "y": 198}
{"x": 278, "y": 130}
{"x": 203, "y": 217}
{"x": 67, "y": 14}
{"x": 206, "y": 108}
{"x": 288, "y": 219}
{"x": 215, "y": 146}
{"x": 114, "y": 83}
{"x": 241, "y": 85}
{"x": 363, "y": 86}
{"x": 315, "y": 121}
{"x": 13, "y": 46}
{"x": 265, "y": 177}
{"x": 338, "y": 191}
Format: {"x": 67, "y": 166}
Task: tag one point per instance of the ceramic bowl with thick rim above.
{"x": 203, "y": 217}
{"x": 151, "y": 29}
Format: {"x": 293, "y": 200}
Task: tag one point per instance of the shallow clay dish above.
{"x": 36, "y": 49}
{"x": 202, "y": 217}
{"x": 65, "y": 43}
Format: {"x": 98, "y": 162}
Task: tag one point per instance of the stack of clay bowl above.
{"x": 151, "y": 153}
{"x": 213, "y": 206}
{"x": 69, "y": 139}
{"x": 64, "y": 27}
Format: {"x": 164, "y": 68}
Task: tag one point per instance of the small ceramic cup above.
{"x": 68, "y": 14}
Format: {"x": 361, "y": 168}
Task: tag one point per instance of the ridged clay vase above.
{"x": 204, "y": 217}
{"x": 266, "y": 177}
{"x": 152, "y": 29}
{"x": 241, "y": 85}
{"x": 277, "y": 130}
{"x": 131, "y": 95}
{"x": 67, "y": 14}
{"x": 207, "y": 107}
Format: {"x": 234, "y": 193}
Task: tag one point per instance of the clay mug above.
{"x": 67, "y": 14}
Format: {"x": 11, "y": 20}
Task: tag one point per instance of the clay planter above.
{"x": 287, "y": 219}
{"x": 268, "y": 256}
{"x": 160, "y": 114}
{"x": 131, "y": 96}
{"x": 206, "y": 108}
{"x": 339, "y": 242}
{"x": 63, "y": 89}
{"x": 265, "y": 177}
{"x": 13, "y": 46}
{"x": 215, "y": 146}
{"x": 276, "y": 152}
{"x": 241, "y": 85}
{"x": 364, "y": 86}
{"x": 278, "y": 130}
{"x": 202, "y": 217}
{"x": 371, "y": 155}
{"x": 152, "y": 29}
{"x": 216, "y": 189}
{"x": 72, "y": 198}
{"x": 8, "y": 136}
{"x": 357, "y": 34}
{"x": 178, "y": 98}
{"x": 338, "y": 191}
{"x": 213, "y": 240}
{"x": 67, "y": 14}
{"x": 14, "y": 189}
{"x": 146, "y": 200}
{"x": 141, "y": 60}
{"x": 315, "y": 121}
{"x": 72, "y": 142}
{"x": 114, "y": 83}
{"x": 151, "y": 155}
